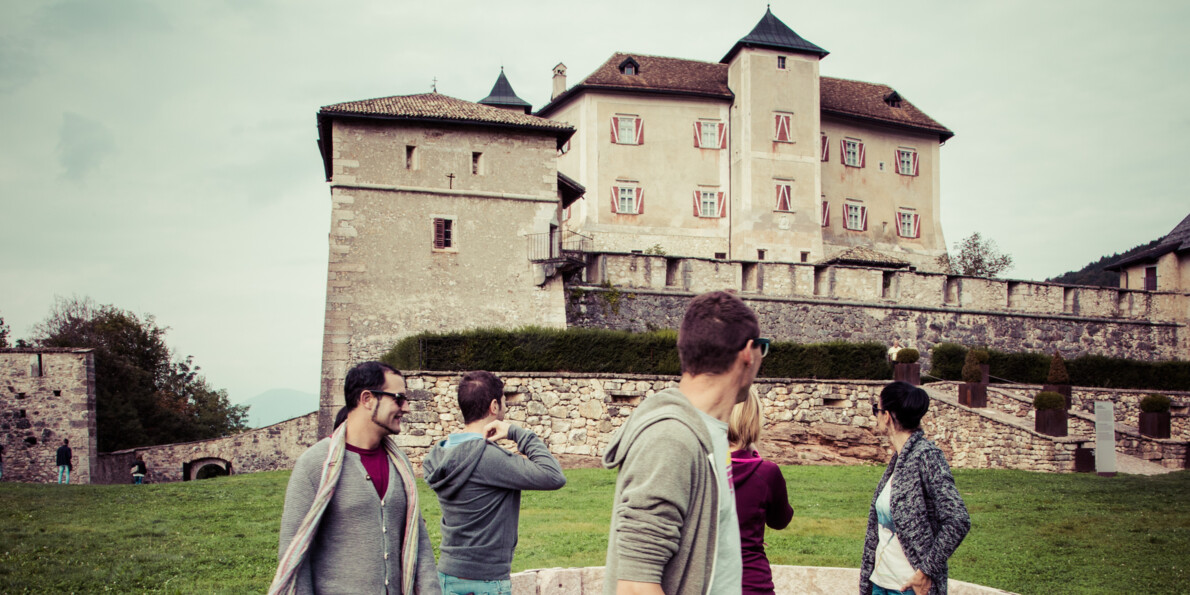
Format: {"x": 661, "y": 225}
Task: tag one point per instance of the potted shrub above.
{"x": 1058, "y": 380}
{"x": 974, "y": 391}
{"x": 906, "y": 368}
{"x": 1154, "y": 416}
{"x": 981, "y": 359}
{"x": 1050, "y": 413}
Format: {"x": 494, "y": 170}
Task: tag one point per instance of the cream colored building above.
{"x": 1164, "y": 267}
{"x": 435, "y": 206}
{"x": 756, "y": 157}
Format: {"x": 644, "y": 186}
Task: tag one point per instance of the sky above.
{"x": 160, "y": 156}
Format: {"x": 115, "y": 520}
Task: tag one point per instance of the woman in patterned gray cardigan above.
{"x": 917, "y": 519}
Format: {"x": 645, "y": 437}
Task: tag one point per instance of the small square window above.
{"x": 443, "y": 234}
{"x": 805, "y": 257}
{"x": 780, "y": 62}
{"x": 721, "y": 256}
{"x": 760, "y": 253}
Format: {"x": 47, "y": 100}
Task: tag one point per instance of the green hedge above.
{"x": 535, "y": 349}
{"x": 1085, "y": 370}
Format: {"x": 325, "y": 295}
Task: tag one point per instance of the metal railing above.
{"x": 547, "y": 247}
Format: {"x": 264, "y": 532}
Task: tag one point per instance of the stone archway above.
{"x": 194, "y": 469}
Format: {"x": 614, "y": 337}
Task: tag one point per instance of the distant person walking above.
{"x": 760, "y": 495}
{"x": 917, "y": 519}
{"x": 892, "y": 351}
{"x": 139, "y": 470}
{"x": 64, "y": 461}
{"x": 479, "y": 488}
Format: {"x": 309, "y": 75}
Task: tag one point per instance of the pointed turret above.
{"x": 773, "y": 34}
{"x": 502, "y": 96}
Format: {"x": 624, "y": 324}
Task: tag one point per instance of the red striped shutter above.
{"x": 826, "y": 214}
{"x": 916, "y": 225}
{"x": 722, "y": 135}
{"x": 783, "y": 127}
{"x": 843, "y": 152}
{"x": 640, "y": 200}
{"x": 697, "y": 210}
{"x": 826, "y": 149}
{"x": 863, "y": 217}
{"x": 698, "y": 134}
{"x": 897, "y": 161}
{"x": 640, "y": 131}
{"x": 722, "y": 206}
{"x": 862, "y": 157}
{"x": 615, "y": 199}
{"x": 915, "y": 163}
{"x": 615, "y": 130}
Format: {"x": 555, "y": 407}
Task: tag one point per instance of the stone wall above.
{"x": 47, "y": 396}
{"x": 270, "y": 448}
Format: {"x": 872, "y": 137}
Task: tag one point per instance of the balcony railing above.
{"x": 550, "y": 247}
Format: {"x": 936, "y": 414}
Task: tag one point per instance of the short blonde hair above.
{"x": 743, "y": 429}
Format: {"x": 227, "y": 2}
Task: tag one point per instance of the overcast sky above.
{"x": 160, "y": 155}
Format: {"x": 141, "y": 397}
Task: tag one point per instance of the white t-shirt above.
{"x": 892, "y": 570}
{"x": 729, "y": 566}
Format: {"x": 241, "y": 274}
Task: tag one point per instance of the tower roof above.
{"x": 502, "y": 95}
{"x": 773, "y": 34}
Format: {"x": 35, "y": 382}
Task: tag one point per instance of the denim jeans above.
{"x": 63, "y": 473}
{"x": 878, "y": 590}
{"x": 138, "y": 479}
{"x": 460, "y": 586}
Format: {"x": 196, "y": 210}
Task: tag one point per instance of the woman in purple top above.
{"x": 760, "y": 496}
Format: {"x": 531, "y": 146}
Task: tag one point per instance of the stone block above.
{"x": 560, "y": 581}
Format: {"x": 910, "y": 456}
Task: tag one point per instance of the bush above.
{"x": 1154, "y": 403}
{"x": 535, "y": 349}
{"x": 972, "y": 373}
{"x": 908, "y": 355}
{"x": 1046, "y": 400}
{"x": 1086, "y": 370}
{"x": 946, "y": 361}
{"x": 1058, "y": 374}
{"x": 981, "y": 355}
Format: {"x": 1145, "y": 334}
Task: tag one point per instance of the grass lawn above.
{"x": 1031, "y": 532}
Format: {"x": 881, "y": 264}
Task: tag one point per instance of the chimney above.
{"x": 559, "y": 81}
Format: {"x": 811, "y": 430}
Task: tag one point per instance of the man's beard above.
{"x": 390, "y": 428}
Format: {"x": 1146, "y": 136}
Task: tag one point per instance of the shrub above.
{"x": 1058, "y": 374}
{"x": 908, "y": 355}
{"x": 1048, "y": 400}
{"x": 981, "y": 355}
{"x": 971, "y": 371}
{"x": 1154, "y": 403}
{"x": 946, "y": 361}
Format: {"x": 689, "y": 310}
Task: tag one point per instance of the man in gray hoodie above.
{"x": 479, "y": 489}
{"x": 674, "y": 529}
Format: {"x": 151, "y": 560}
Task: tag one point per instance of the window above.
{"x": 805, "y": 257}
{"x": 856, "y": 216}
{"x": 444, "y": 238}
{"x": 565, "y": 148}
{"x": 1150, "y": 278}
{"x": 826, "y": 149}
{"x": 627, "y": 130}
{"x": 908, "y": 224}
{"x": 629, "y": 69}
{"x": 709, "y": 203}
{"x": 907, "y": 162}
{"x": 761, "y": 253}
{"x": 853, "y": 152}
{"x": 780, "y": 62}
{"x": 784, "y": 194}
{"x": 410, "y": 157}
{"x": 476, "y": 163}
{"x": 826, "y": 214}
{"x": 628, "y": 200}
{"x": 709, "y": 134}
{"x": 782, "y": 124}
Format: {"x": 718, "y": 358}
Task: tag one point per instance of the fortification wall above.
{"x": 269, "y": 448}
{"x": 46, "y": 396}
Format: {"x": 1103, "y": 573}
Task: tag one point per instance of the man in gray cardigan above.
{"x": 674, "y": 529}
{"x": 367, "y": 539}
{"x": 479, "y": 488}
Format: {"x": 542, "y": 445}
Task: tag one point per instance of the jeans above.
{"x": 138, "y": 479}
{"x": 878, "y": 590}
{"x": 63, "y": 473}
{"x": 460, "y": 586}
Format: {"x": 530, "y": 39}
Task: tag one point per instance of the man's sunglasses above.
{"x": 400, "y": 398}
{"x": 763, "y": 344}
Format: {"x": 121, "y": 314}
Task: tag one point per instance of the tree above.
{"x": 977, "y": 257}
{"x": 3, "y": 334}
{"x": 142, "y": 397}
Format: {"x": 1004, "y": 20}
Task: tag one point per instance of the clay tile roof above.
{"x": 1177, "y": 240}
{"x": 502, "y": 94}
{"x": 867, "y": 101}
{"x": 773, "y": 34}
{"x": 655, "y": 74}
{"x": 865, "y": 256}
{"x": 435, "y": 106}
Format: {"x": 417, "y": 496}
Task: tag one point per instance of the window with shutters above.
{"x": 784, "y": 195}
{"x": 783, "y": 127}
{"x": 710, "y": 134}
{"x": 855, "y": 216}
{"x": 853, "y": 152}
{"x": 627, "y": 198}
{"x": 709, "y": 202}
{"x": 444, "y": 237}
{"x": 908, "y": 224}
{"x": 907, "y": 161}
{"x": 627, "y": 130}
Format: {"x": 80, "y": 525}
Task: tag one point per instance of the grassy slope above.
{"x": 1031, "y": 532}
